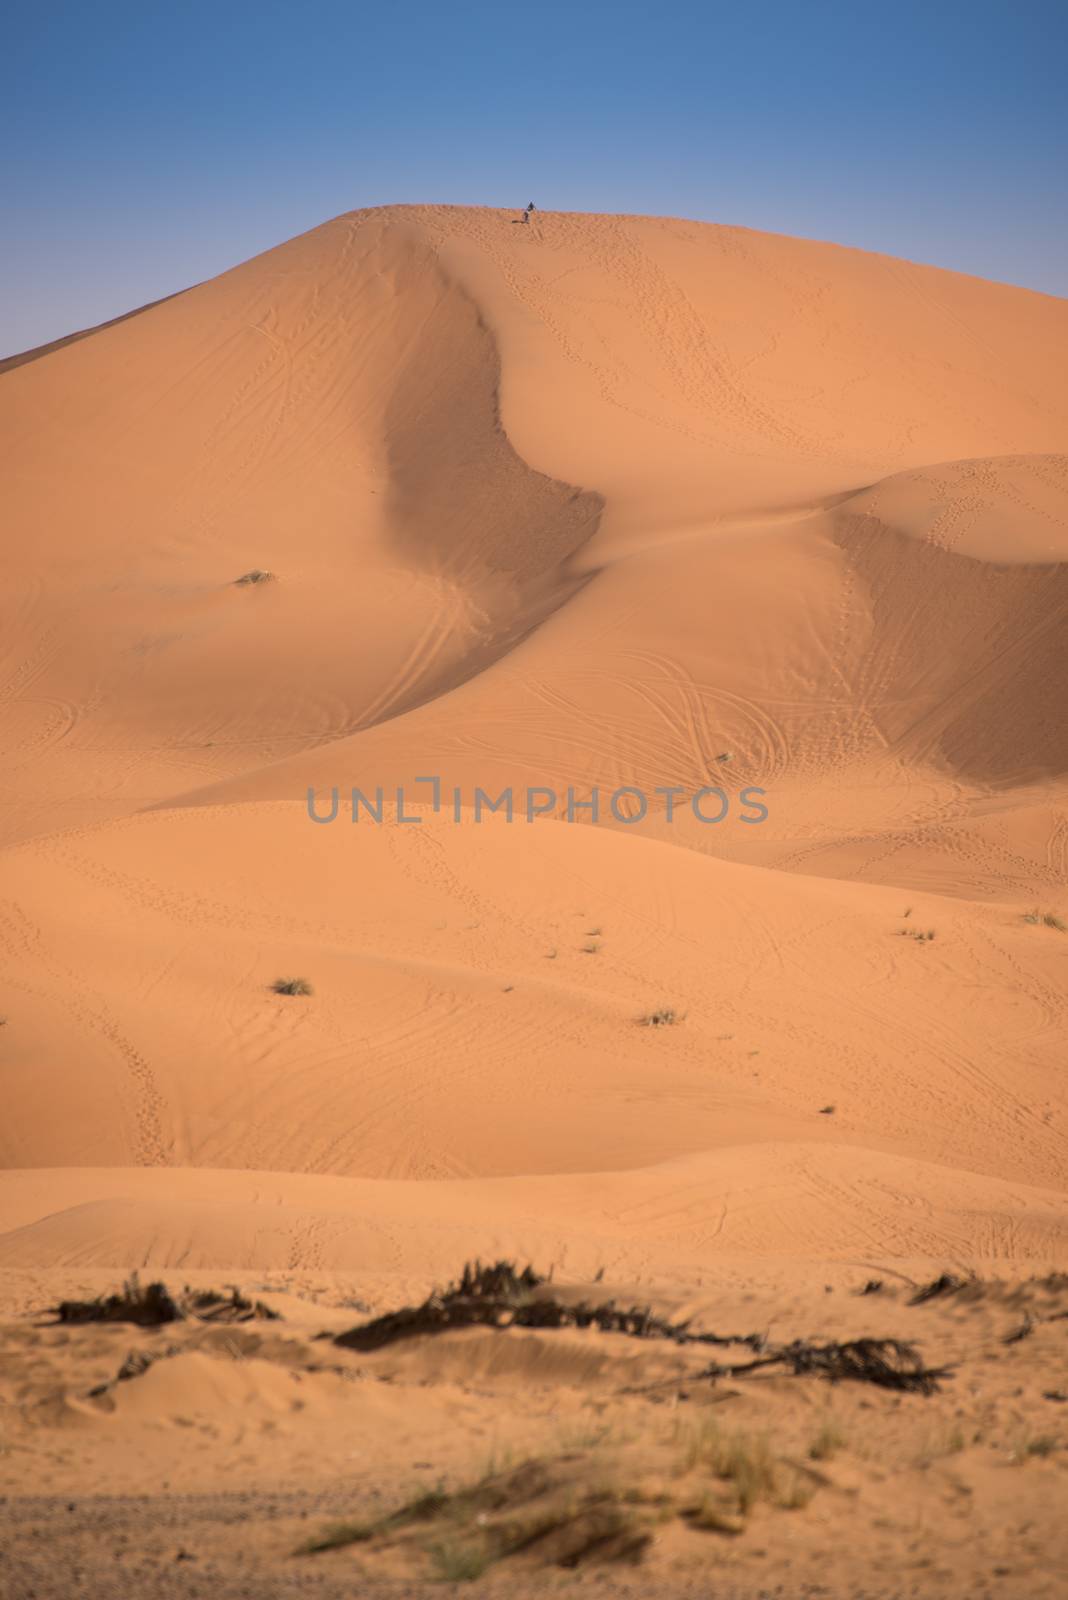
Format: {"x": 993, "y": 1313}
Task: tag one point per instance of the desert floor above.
{"x": 599, "y": 503}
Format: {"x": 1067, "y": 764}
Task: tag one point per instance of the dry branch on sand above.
{"x": 135, "y": 1365}
{"x": 151, "y": 1305}
{"x": 501, "y": 1297}
{"x": 887, "y": 1363}
{"x": 946, "y": 1283}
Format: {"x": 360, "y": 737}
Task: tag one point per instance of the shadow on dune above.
{"x": 464, "y": 507}
{"x": 965, "y": 664}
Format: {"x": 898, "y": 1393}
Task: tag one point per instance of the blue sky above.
{"x": 148, "y": 146}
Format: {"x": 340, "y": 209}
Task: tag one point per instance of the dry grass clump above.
{"x": 292, "y": 986}
{"x": 458, "y": 1563}
{"x": 708, "y": 1514}
{"x": 1046, "y": 919}
{"x": 1025, "y": 1446}
{"x": 255, "y": 576}
{"x": 664, "y": 1017}
{"x": 540, "y": 1510}
{"x": 744, "y": 1463}
{"x": 749, "y": 1472}
{"x": 948, "y": 1441}
{"x": 582, "y": 1508}
{"x": 422, "y": 1509}
{"x": 828, "y": 1441}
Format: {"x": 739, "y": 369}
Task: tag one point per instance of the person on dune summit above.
{"x": 526, "y": 213}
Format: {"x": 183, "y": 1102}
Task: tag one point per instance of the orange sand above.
{"x": 593, "y": 503}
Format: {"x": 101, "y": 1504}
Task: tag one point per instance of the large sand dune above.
{"x": 590, "y": 503}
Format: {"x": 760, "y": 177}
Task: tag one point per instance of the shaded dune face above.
{"x": 462, "y": 501}
{"x": 328, "y": 414}
{"x": 462, "y": 506}
{"x": 965, "y": 666}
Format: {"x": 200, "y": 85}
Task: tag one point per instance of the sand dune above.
{"x": 714, "y": 393}
{"x": 595, "y": 505}
{"x": 674, "y": 1219}
{"x": 592, "y": 504}
{"x": 478, "y": 1005}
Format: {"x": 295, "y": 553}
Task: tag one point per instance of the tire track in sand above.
{"x": 21, "y": 936}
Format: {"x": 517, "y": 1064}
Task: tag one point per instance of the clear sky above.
{"x": 147, "y": 146}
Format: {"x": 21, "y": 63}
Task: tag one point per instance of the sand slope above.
{"x": 598, "y": 502}
{"x": 592, "y": 503}
{"x": 480, "y": 992}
